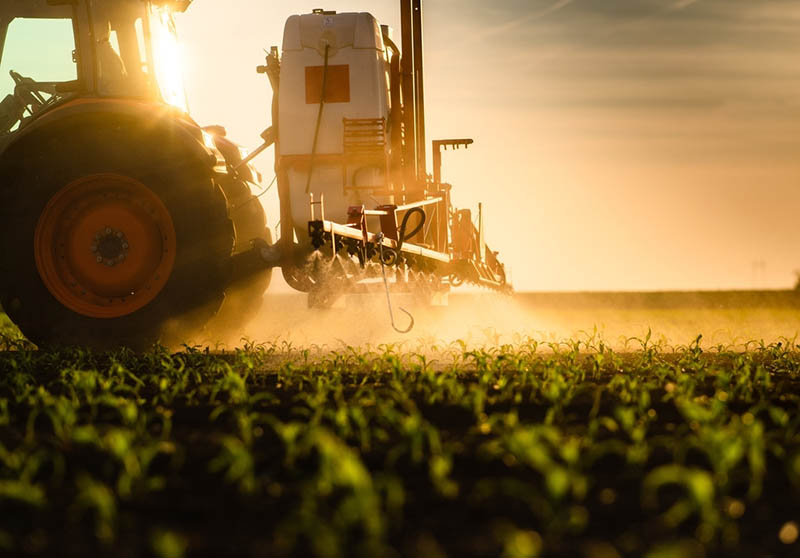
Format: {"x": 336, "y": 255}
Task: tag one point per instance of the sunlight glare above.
{"x": 168, "y": 58}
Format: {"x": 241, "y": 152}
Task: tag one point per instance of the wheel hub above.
{"x": 110, "y": 247}
{"x": 105, "y": 245}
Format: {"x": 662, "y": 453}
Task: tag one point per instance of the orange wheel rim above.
{"x": 105, "y": 246}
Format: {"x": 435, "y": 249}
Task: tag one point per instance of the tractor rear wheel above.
{"x": 113, "y": 233}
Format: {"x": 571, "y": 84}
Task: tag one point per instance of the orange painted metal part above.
{"x": 105, "y": 245}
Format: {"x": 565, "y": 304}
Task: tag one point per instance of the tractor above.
{"x": 123, "y": 222}
{"x": 120, "y": 215}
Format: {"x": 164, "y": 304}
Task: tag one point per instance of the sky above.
{"x": 619, "y": 144}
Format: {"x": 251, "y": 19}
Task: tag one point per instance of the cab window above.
{"x": 37, "y": 54}
{"x": 40, "y": 49}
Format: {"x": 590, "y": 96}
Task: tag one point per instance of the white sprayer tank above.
{"x": 350, "y": 160}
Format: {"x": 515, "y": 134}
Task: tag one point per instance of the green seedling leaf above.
{"x": 168, "y": 544}
{"x": 96, "y": 497}
{"x": 23, "y": 491}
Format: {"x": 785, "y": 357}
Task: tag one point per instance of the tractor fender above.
{"x": 158, "y": 115}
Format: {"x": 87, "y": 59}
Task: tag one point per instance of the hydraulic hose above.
{"x": 402, "y": 235}
{"x": 319, "y": 118}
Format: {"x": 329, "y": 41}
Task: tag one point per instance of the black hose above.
{"x": 402, "y": 234}
{"x": 319, "y": 119}
{"x": 391, "y": 44}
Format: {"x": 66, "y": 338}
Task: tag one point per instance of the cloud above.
{"x": 553, "y": 8}
{"x": 514, "y": 24}
{"x": 677, "y": 6}
{"x": 704, "y": 58}
{"x": 681, "y": 4}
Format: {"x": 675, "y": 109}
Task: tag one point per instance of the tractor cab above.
{"x": 52, "y": 51}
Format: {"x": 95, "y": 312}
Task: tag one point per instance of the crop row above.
{"x": 566, "y": 449}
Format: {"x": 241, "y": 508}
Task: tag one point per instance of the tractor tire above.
{"x": 244, "y": 296}
{"x": 244, "y": 299}
{"x": 113, "y": 233}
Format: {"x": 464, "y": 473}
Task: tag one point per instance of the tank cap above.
{"x": 320, "y": 11}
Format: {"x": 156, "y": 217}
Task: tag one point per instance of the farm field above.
{"x": 576, "y": 425}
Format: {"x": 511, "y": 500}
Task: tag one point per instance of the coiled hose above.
{"x": 389, "y": 257}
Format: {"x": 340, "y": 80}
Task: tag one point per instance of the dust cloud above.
{"x": 482, "y": 319}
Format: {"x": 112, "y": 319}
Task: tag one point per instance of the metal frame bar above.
{"x": 409, "y": 95}
{"x": 419, "y": 92}
{"x": 423, "y": 203}
{"x": 356, "y": 233}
